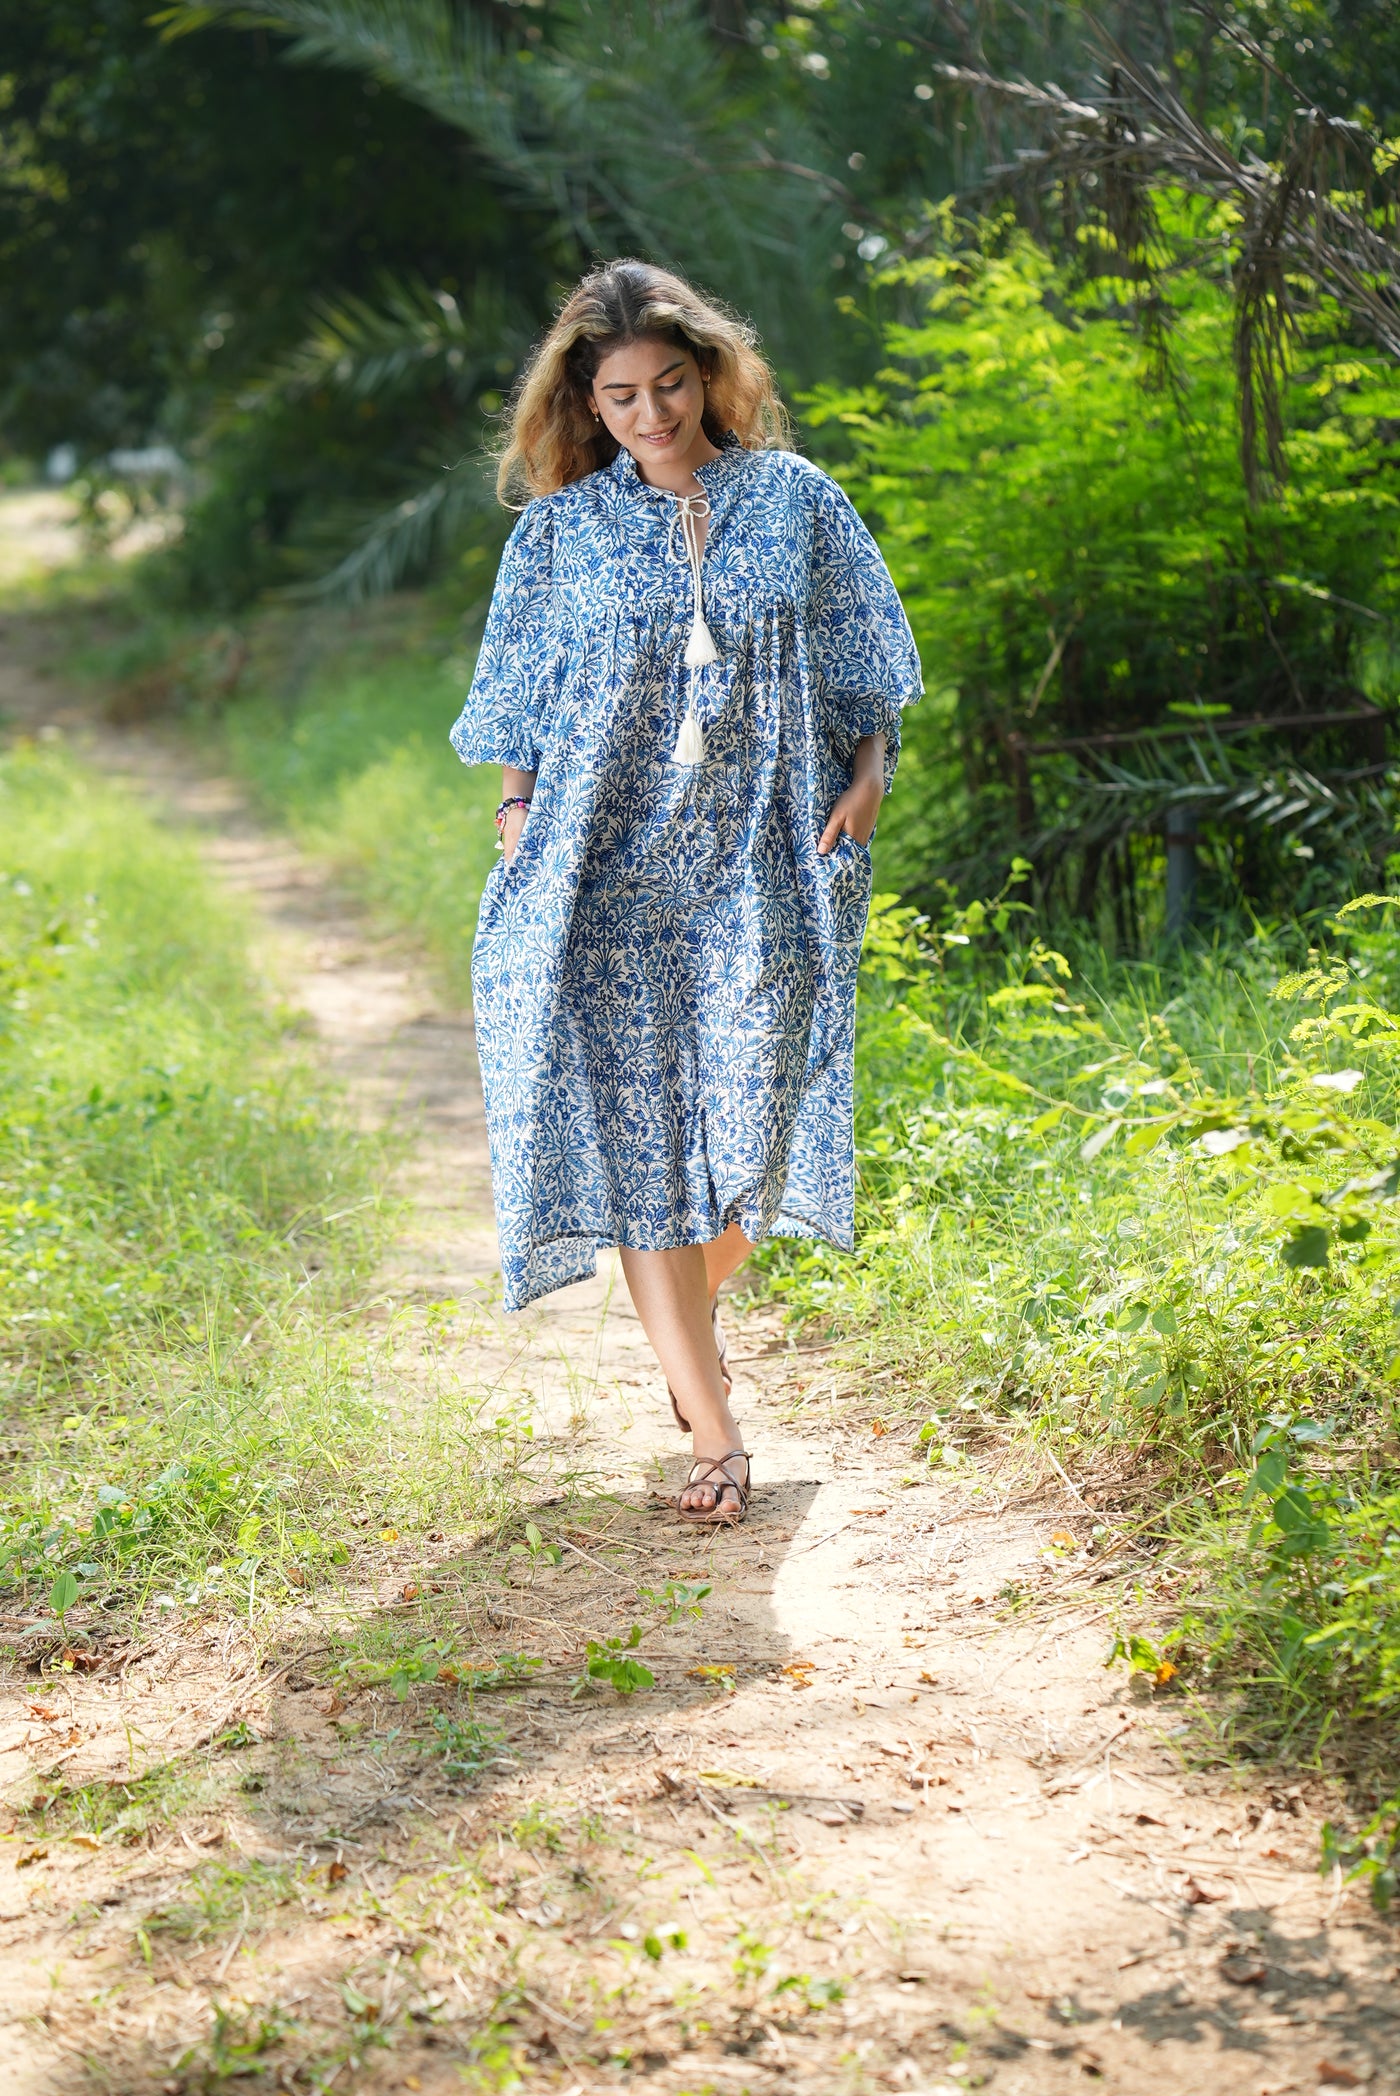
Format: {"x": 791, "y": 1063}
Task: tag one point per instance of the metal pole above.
{"x": 1181, "y": 867}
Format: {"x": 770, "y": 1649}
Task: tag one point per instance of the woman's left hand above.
{"x": 856, "y": 811}
{"x": 854, "y": 814}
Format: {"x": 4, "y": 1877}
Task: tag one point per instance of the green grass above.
{"x": 187, "y": 1219}
{"x": 1146, "y": 1216}
{"x": 357, "y": 764}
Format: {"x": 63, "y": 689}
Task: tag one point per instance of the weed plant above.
{"x": 1148, "y": 1212}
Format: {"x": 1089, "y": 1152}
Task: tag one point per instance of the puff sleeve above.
{"x": 500, "y": 721}
{"x": 864, "y": 650}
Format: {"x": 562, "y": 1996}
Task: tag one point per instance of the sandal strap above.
{"x": 712, "y": 1472}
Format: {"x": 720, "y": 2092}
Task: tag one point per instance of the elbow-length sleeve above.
{"x": 500, "y": 721}
{"x": 864, "y": 649}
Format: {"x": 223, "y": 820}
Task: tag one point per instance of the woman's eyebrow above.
{"x": 629, "y": 385}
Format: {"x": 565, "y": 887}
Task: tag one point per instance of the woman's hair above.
{"x": 551, "y": 435}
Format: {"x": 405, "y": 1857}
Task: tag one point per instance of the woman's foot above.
{"x": 727, "y": 1481}
{"x": 716, "y": 1439}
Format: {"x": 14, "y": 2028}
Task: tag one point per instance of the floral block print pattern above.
{"x": 664, "y": 975}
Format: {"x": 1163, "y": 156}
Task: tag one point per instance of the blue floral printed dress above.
{"x": 664, "y": 974}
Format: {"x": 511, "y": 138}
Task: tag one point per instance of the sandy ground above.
{"x": 884, "y": 1821}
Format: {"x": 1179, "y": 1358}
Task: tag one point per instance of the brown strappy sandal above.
{"x": 722, "y": 1348}
{"x": 712, "y": 1472}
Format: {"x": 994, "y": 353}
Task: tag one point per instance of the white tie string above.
{"x": 700, "y": 647}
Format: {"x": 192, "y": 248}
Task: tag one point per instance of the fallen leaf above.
{"x": 800, "y": 1673}
{"x": 42, "y": 1710}
{"x": 336, "y": 1873}
{"x": 388, "y": 1535}
{"x": 411, "y": 1592}
{"x": 1196, "y": 1894}
{"x": 1165, "y": 1673}
{"x": 722, "y": 1674}
{"x": 1244, "y": 1972}
{"x": 931, "y": 1679}
{"x": 85, "y": 1841}
{"x": 1333, "y": 2075}
{"x": 28, "y": 1856}
{"x": 1148, "y": 1819}
{"x": 878, "y": 1427}
{"x": 1061, "y": 1539}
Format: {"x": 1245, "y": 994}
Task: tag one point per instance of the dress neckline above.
{"x": 624, "y": 467}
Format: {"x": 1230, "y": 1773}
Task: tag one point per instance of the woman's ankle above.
{"x": 712, "y": 1423}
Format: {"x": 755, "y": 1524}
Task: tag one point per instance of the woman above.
{"x": 691, "y": 674}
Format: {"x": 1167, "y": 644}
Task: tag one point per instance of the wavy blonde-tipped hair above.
{"x": 551, "y": 434}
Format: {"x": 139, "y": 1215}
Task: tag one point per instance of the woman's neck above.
{"x": 677, "y": 476}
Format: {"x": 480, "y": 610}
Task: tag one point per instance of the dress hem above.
{"x": 566, "y": 1260}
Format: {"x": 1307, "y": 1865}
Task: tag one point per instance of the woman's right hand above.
{"x": 510, "y": 832}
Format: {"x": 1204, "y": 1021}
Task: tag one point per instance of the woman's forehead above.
{"x": 641, "y": 363}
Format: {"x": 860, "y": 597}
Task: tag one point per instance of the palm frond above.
{"x": 1226, "y": 784}
{"x": 451, "y": 60}
{"x": 401, "y": 542}
{"x": 412, "y": 335}
{"x": 626, "y": 123}
{"x": 1295, "y": 218}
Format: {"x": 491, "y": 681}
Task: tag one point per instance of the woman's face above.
{"x": 651, "y": 397}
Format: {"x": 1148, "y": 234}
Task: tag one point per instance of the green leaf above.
{"x": 1099, "y": 1140}
{"x": 1307, "y": 1247}
{"x": 1268, "y": 1474}
{"x": 1164, "y": 1321}
{"x": 63, "y": 1593}
{"x": 1148, "y": 1136}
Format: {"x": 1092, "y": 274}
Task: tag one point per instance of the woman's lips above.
{"x": 659, "y": 436}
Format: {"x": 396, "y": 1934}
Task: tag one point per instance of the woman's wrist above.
{"x": 868, "y": 762}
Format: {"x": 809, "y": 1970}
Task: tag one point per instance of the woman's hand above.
{"x": 856, "y": 811}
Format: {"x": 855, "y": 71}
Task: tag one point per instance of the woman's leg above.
{"x": 724, "y": 1255}
{"x": 671, "y": 1291}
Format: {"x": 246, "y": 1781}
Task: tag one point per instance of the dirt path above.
{"x": 883, "y": 1821}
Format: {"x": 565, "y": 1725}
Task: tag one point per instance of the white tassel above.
{"x": 690, "y": 743}
{"x": 700, "y": 648}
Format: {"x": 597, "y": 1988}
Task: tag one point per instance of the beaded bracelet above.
{"x": 516, "y": 800}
